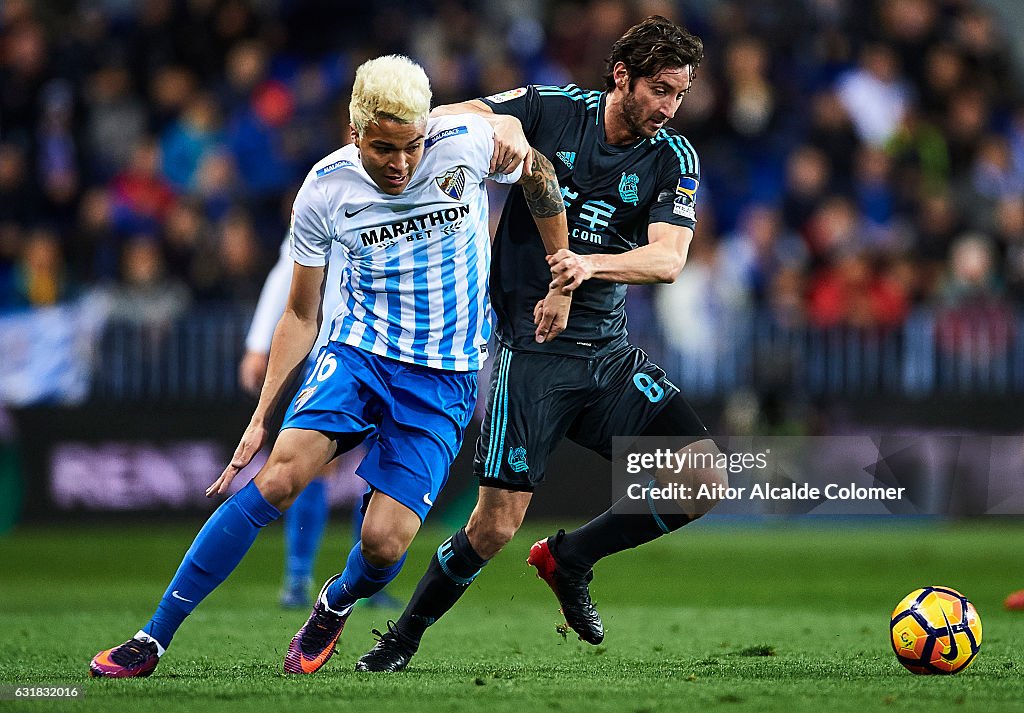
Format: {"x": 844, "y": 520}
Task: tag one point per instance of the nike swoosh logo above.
{"x": 954, "y": 651}
{"x": 178, "y": 596}
{"x": 357, "y": 212}
{"x": 313, "y": 665}
{"x": 103, "y": 659}
{"x": 427, "y": 500}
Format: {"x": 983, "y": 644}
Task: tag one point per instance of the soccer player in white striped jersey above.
{"x": 406, "y": 205}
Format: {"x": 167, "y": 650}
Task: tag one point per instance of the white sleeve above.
{"x": 484, "y": 136}
{"x": 270, "y": 307}
{"x": 505, "y": 177}
{"x": 310, "y": 235}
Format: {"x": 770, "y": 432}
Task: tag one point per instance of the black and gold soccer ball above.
{"x": 935, "y": 630}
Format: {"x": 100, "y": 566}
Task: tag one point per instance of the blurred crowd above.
{"x": 860, "y": 158}
{"x": 860, "y": 161}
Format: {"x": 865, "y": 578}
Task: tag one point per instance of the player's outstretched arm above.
{"x": 293, "y": 338}
{"x": 473, "y": 106}
{"x": 544, "y": 198}
{"x": 661, "y": 260}
{"x": 510, "y": 145}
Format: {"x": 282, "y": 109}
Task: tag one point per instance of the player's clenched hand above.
{"x": 248, "y": 447}
{"x": 510, "y": 146}
{"x": 252, "y": 371}
{"x": 551, "y": 315}
{"x": 569, "y": 270}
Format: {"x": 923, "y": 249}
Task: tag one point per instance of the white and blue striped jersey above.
{"x": 414, "y": 286}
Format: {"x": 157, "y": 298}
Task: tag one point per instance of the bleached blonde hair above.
{"x": 392, "y": 86}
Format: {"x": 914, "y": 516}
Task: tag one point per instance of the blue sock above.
{"x": 216, "y": 551}
{"x": 357, "y": 521}
{"x": 304, "y": 525}
{"x": 359, "y": 580}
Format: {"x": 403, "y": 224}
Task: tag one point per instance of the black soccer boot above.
{"x": 572, "y": 591}
{"x": 391, "y": 653}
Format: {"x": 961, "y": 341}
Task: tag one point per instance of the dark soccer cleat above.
{"x": 314, "y": 643}
{"x": 572, "y": 591}
{"x": 132, "y": 659}
{"x": 391, "y": 653}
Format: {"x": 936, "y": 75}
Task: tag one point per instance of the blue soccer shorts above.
{"x": 412, "y": 418}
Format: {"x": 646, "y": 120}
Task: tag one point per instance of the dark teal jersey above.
{"x": 612, "y": 194}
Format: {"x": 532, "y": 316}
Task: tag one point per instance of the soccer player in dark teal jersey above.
{"x": 629, "y": 184}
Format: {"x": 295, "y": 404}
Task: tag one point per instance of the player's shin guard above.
{"x": 359, "y": 580}
{"x": 618, "y": 528}
{"x": 214, "y": 554}
{"x": 451, "y": 570}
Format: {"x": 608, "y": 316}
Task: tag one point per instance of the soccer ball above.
{"x": 935, "y": 630}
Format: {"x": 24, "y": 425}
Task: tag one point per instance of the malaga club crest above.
{"x": 629, "y": 188}
{"x": 303, "y": 396}
{"x": 452, "y": 183}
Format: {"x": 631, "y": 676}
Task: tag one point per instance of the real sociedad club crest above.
{"x": 517, "y": 459}
{"x": 629, "y": 188}
{"x": 452, "y": 183}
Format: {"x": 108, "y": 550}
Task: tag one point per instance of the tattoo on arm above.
{"x": 543, "y": 195}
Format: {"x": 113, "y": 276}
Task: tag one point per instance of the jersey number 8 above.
{"x": 648, "y": 387}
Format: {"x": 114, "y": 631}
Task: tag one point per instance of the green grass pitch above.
{"x": 721, "y": 616}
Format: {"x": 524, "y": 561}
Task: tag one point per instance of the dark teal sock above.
{"x": 616, "y": 529}
{"x": 451, "y": 570}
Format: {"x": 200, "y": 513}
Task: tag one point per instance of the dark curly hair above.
{"x": 654, "y": 45}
